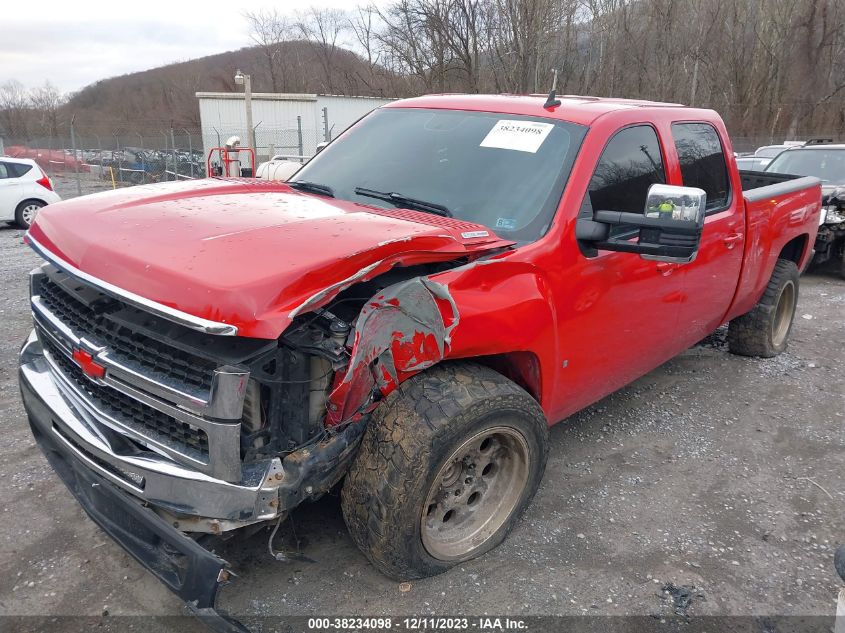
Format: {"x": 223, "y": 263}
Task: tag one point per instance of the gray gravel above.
{"x": 720, "y": 474}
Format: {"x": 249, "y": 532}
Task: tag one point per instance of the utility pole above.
{"x": 246, "y": 81}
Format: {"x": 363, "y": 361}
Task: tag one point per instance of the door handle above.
{"x": 666, "y": 268}
{"x": 732, "y": 239}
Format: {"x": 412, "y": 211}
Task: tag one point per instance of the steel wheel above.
{"x": 29, "y": 211}
{"x": 783, "y": 314}
{"x": 474, "y": 493}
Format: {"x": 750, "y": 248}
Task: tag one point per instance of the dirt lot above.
{"x": 716, "y": 472}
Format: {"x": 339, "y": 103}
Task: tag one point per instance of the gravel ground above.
{"x": 718, "y": 475}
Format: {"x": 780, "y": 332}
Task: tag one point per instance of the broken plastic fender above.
{"x": 404, "y": 329}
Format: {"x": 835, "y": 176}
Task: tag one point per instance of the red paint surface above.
{"x": 570, "y": 328}
{"x": 240, "y": 252}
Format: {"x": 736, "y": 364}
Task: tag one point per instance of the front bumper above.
{"x": 69, "y": 423}
{"x": 129, "y": 508}
{"x": 266, "y": 489}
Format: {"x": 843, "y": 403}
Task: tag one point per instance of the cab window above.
{"x": 629, "y": 165}
{"x": 702, "y": 162}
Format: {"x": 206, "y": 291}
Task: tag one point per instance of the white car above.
{"x": 24, "y": 189}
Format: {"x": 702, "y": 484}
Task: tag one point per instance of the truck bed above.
{"x": 757, "y": 179}
{"x": 778, "y": 207}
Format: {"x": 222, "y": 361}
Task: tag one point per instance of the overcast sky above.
{"x": 72, "y": 44}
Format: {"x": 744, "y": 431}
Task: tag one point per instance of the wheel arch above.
{"x": 496, "y": 313}
{"x": 523, "y": 368}
{"x": 795, "y": 250}
{"x": 31, "y": 199}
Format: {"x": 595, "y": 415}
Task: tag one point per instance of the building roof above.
{"x": 578, "y": 109}
{"x": 280, "y": 96}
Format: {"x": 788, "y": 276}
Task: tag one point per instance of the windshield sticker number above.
{"x": 521, "y": 136}
{"x": 506, "y": 223}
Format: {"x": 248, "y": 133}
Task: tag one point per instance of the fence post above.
{"x": 299, "y": 138}
{"x": 164, "y": 134}
{"x": 143, "y": 159}
{"x": 99, "y": 150}
{"x": 173, "y": 149}
{"x": 326, "y": 125}
{"x": 119, "y": 158}
{"x": 255, "y": 150}
{"x": 75, "y": 157}
{"x": 190, "y": 151}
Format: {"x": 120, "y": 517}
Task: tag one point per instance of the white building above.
{"x": 287, "y": 124}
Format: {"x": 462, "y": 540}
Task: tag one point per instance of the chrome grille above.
{"x": 153, "y": 356}
{"x": 130, "y": 412}
{"x": 161, "y": 386}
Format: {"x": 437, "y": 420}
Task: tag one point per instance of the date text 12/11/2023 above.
{"x": 481, "y": 624}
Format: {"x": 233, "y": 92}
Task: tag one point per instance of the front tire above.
{"x": 26, "y": 212}
{"x": 447, "y": 465}
{"x": 764, "y": 331}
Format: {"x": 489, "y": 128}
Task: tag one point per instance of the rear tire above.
{"x": 447, "y": 465}
{"x": 764, "y": 331}
{"x": 26, "y": 212}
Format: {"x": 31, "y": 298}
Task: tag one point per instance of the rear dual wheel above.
{"x": 447, "y": 465}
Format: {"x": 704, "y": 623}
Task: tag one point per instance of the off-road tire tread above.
{"x": 750, "y": 334}
{"x": 395, "y": 455}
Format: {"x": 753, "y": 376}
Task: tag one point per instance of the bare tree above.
{"x": 47, "y": 101}
{"x": 324, "y": 29}
{"x": 14, "y": 103}
{"x": 270, "y": 30}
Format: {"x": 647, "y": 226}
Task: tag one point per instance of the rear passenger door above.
{"x": 711, "y": 279}
{"x": 10, "y": 191}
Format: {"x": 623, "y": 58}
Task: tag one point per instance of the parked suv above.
{"x": 24, "y": 189}
{"x": 825, "y": 161}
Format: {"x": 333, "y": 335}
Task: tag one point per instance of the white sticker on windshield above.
{"x": 522, "y": 136}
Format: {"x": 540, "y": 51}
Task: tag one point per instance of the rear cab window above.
{"x": 703, "y": 164}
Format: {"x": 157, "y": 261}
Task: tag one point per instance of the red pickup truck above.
{"x": 409, "y": 314}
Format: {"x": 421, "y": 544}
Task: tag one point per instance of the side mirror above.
{"x": 669, "y": 229}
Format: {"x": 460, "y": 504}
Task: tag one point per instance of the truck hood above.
{"x": 252, "y": 254}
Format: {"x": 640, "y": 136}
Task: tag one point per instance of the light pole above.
{"x": 246, "y": 81}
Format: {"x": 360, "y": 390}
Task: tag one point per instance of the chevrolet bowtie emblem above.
{"x": 89, "y": 366}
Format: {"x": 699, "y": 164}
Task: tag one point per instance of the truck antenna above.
{"x": 552, "y": 101}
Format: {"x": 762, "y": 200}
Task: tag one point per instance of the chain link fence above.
{"x": 120, "y": 158}
{"x": 98, "y": 161}
{"x": 83, "y": 162}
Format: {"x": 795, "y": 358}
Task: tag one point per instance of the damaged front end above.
{"x": 166, "y": 434}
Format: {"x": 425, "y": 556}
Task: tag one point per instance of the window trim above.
{"x": 730, "y": 200}
{"x": 632, "y": 232}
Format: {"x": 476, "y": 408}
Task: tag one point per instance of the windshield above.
{"x": 826, "y": 164}
{"x": 503, "y": 171}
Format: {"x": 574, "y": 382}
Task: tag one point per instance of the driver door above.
{"x": 619, "y": 312}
